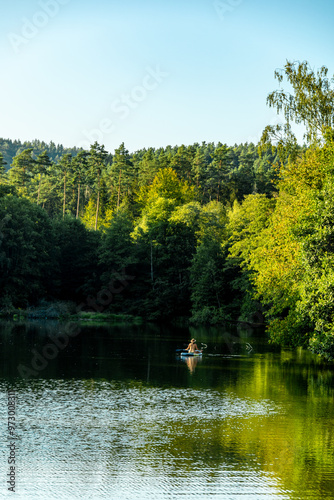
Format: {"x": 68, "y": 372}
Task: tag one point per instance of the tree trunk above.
{"x": 78, "y": 202}
{"x": 39, "y": 189}
{"x": 97, "y": 204}
{"x": 64, "y": 204}
{"x": 119, "y": 189}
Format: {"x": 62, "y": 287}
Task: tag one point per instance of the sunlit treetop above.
{"x": 310, "y": 103}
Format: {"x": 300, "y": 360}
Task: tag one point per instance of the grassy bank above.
{"x": 66, "y": 311}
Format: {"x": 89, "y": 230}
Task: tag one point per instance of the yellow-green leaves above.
{"x": 166, "y": 184}
{"x": 246, "y": 224}
{"x": 159, "y": 201}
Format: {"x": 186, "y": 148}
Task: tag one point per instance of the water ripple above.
{"x": 99, "y": 439}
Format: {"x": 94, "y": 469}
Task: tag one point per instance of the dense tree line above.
{"x": 158, "y": 214}
{"x": 9, "y": 149}
{"x": 75, "y": 182}
{"x": 208, "y": 232}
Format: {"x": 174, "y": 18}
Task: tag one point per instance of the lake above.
{"x": 111, "y": 412}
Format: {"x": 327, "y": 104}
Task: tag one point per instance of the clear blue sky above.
{"x": 151, "y": 72}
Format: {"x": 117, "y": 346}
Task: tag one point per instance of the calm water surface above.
{"x": 117, "y": 415}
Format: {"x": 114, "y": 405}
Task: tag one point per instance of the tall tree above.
{"x": 28, "y": 256}
{"x": 77, "y": 261}
{"x": 244, "y": 176}
{"x": 65, "y": 165}
{"x": 181, "y": 162}
{"x": 97, "y": 164}
{"x": 42, "y": 165}
{"x": 216, "y": 172}
{"x": 198, "y": 167}
{"x": 310, "y": 103}
{"x": 80, "y": 170}
{"x": 168, "y": 242}
{"x": 122, "y": 172}
{"x": 117, "y": 247}
{"x": 21, "y": 170}
{"x": 2, "y": 166}
{"x": 148, "y": 167}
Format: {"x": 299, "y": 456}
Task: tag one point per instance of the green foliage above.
{"x": 168, "y": 243}
{"x": 247, "y": 251}
{"x": 210, "y": 291}
{"x": 97, "y": 317}
{"x": 266, "y": 172}
{"x": 80, "y": 168}
{"x": 117, "y": 249}
{"x": 287, "y": 246}
{"x": 21, "y": 170}
{"x": 246, "y": 223}
{"x": 41, "y": 171}
{"x": 322, "y": 343}
{"x": 167, "y": 185}
{"x": 156, "y": 223}
{"x": 77, "y": 259}
{"x": 181, "y": 162}
{"x": 122, "y": 173}
{"x": 315, "y": 229}
{"x": 69, "y": 181}
{"x": 11, "y": 148}
{"x": 311, "y": 103}
{"x": 2, "y": 166}
{"x": 170, "y": 254}
{"x": 152, "y": 218}
{"x": 28, "y": 257}
{"x": 148, "y": 167}
{"x": 97, "y": 164}
{"x": 291, "y": 331}
{"x": 206, "y": 231}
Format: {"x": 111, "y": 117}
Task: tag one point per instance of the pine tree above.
{"x": 2, "y": 166}
{"x": 122, "y": 172}
{"x": 42, "y": 165}
{"x": 97, "y": 164}
{"x": 80, "y": 170}
{"x": 22, "y": 169}
{"x": 66, "y": 168}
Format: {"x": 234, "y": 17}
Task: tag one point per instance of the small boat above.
{"x": 187, "y": 353}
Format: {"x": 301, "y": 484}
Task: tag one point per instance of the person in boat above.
{"x": 192, "y": 347}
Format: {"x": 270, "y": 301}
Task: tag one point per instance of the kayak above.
{"x": 186, "y": 353}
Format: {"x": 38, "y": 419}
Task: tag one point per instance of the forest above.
{"x": 207, "y": 233}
